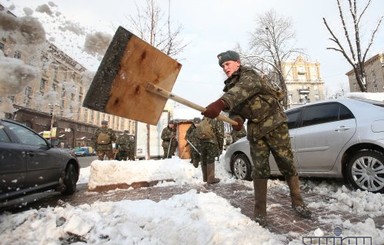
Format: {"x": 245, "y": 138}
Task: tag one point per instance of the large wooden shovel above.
{"x": 134, "y": 79}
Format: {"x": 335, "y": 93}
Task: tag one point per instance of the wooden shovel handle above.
{"x": 159, "y": 91}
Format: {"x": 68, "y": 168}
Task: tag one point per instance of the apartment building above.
{"x": 54, "y": 99}
{"x": 374, "y": 69}
{"x": 303, "y": 81}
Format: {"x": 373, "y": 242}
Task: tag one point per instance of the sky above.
{"x": 190, "y": 218}
{"x": 208, "y": 27}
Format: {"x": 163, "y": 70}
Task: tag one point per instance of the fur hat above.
{"x": 227, "y": 55}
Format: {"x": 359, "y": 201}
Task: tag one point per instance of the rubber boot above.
{"x": 260, "y": 211}
{"x": 195, "y": 163}
{"x": 211, "y": 174}
{"x": 204, "y": 170}
{"x": 297, "y": 201}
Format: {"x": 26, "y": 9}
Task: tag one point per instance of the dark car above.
{"x": 341, "y": 138}
{"x": 30, "y": 165}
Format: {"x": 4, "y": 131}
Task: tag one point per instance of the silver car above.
{"x": 341, "y": 138}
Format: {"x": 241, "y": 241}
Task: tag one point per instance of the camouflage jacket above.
{"x": 104, "y": 147}
{"x": 191, "y": 136}
{"x": 167, "y": 134}
{"x": 123, "y": 142}
{"x": 251, "y": 97}
{"x": 218, "y": 129}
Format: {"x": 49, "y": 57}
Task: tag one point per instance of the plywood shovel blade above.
{"x": 119, "y": 85}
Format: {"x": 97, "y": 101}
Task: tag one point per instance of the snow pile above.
{"x": 128, "y": 172}
{"x": 190, "y": 218}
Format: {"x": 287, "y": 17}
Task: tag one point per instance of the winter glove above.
{"x": 214, "y": 109}
{"x": 240, "y": 124}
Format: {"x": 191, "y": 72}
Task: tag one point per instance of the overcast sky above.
{"x": 210, "y": 27}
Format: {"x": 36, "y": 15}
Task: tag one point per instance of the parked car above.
{"x": 341, "y": 138}
{"x": 84, "y": 151}
{"x": 30, "y": 165}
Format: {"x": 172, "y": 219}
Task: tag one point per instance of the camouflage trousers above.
{"x": 109, "y": 154}
{"x": 209, "y": 151}
{"x": 122, "y": 155}
{"x": 195, "y": 155}
{"x": 169, "y": 149}
{"x": 131, "y": 154}
{"x": 278, "y": 142}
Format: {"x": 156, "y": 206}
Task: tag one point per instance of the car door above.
{"x": 323, "y": 131}
{"x": 13, "y": 165}
{"x": 293, "y": 117}
{"x": 42, "y": 164}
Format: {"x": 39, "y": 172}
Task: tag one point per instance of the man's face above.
{"x": 230, "y": 66}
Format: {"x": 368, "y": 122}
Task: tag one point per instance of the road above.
{"x": 86, "y": 161}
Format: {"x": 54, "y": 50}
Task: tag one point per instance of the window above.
{"x": 17, "y": 55}
{"x": 54, "y": 86}
{"x": 345, "y": 113}
{"x": 63, "y": 91}
{"x": 43, "y": 83}
{"x": 293, "y": 117}
{"x": 28, "y": 91}
{"x": 3, "y": 136}
{"x": 25, "y": 135}
{"x": 325, "y": 113}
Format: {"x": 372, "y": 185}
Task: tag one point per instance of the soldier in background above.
{"x": 193, "y": 142}
{"x": 122, "y": 145}
{"x": 211, "y": 135}
{"x": 131, "y": 147}
{"x": 103, "y": 139}
{"x": 169, "y": 144}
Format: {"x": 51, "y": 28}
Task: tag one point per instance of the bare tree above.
{"x": 352, "y": 51}
{"x": 272, "y": 43}
{"x": 149, "y": 24}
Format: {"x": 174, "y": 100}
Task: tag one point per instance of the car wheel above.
{"x": 365, "y": 171}
{"x": 241, "y": 167}
{"x": 70, "y": 180}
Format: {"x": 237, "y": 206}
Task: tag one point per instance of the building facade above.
{"x": 374, "y": 69}
{"x": 54, "y": 99}
{"x": 303, "y": 81}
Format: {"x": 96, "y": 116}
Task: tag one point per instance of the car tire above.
{"x": 241, "y": 167}
{"x": 70, "y": 180}
{"x": 365, "y": 171}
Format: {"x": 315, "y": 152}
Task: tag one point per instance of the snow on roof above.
{"x": 370, "y": 96}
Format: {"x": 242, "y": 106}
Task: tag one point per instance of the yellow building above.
{"x": 303, "y": 80}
